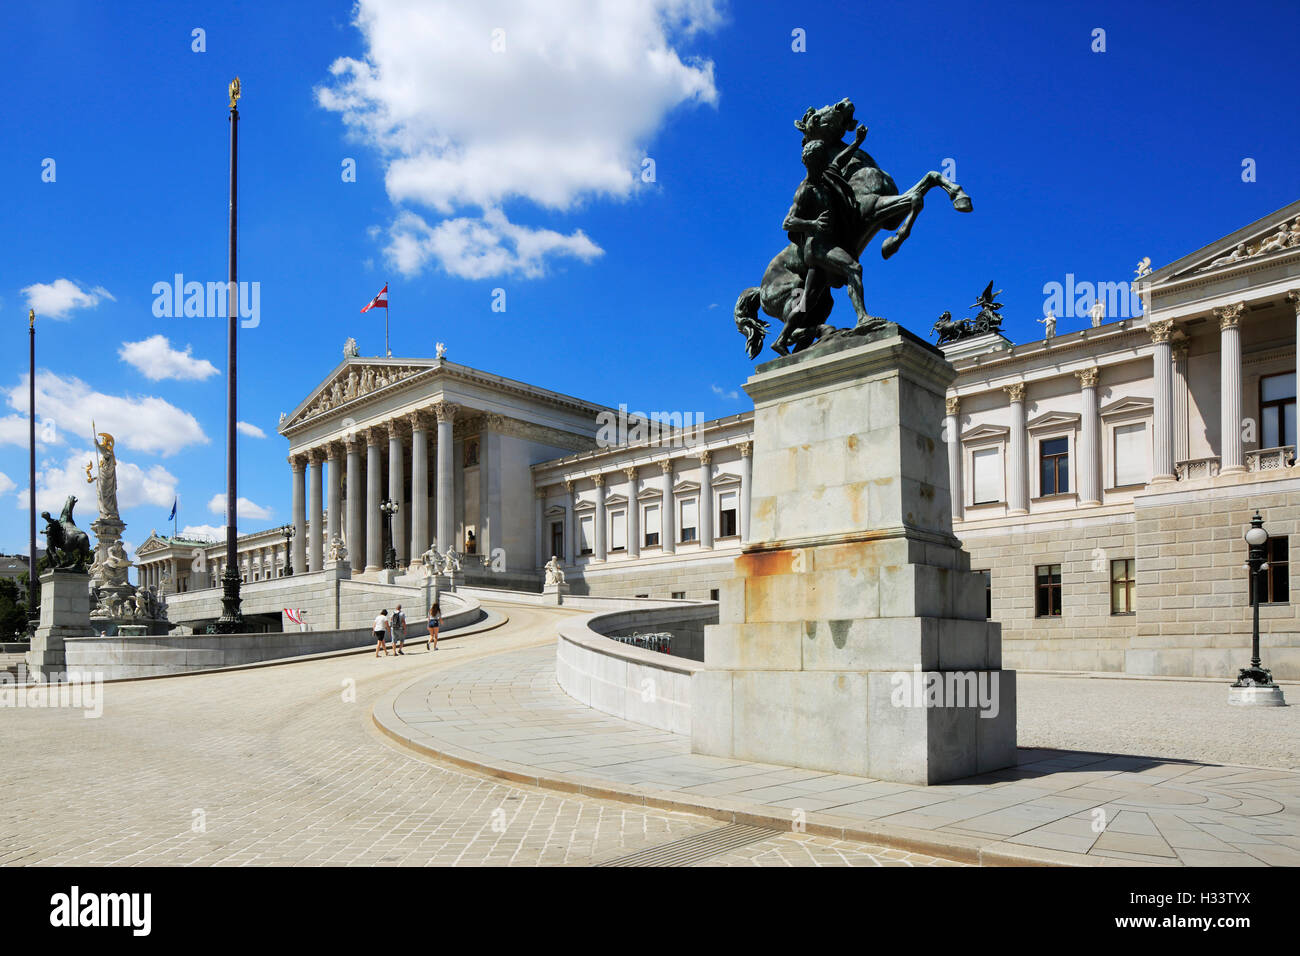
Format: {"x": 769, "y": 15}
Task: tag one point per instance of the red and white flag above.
{"x": 293, "y": 614}
{"x": 380, "y": 301}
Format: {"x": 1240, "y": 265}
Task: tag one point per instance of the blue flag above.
{"x": 173, "y": 514}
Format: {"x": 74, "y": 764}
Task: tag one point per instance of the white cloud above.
{"x": 243, "y": 508}
{"x": 136, "y": 486}
{"x": 56, "y": 299}
{"x": 141, "y": 423}
{"x": 556, "y": 108}
{"x": 724, "y": 393}
{"x": 249, "y": 429}
{"x": 155, "y": 358}
{"x": 6, "y": 484}
{"x": 476, "y": 248}
{"x": 215, "y": 532}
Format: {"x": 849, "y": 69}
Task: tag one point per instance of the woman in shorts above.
{"x": 435, "y": 622}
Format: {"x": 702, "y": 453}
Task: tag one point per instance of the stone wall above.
{"x": 694, "y": 574}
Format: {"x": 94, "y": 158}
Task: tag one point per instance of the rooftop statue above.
{"x": 988, "y": 319}
{"x": 106, "y": 489}
{"x": 842, "y": 202}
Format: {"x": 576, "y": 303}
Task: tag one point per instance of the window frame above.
{"x": 1266, "y": 580}
{"x": 1048, "y": 588}
{"x": 1279, "y": 404}
{"x": 1130, "y": 587}
{"x": 1063, "y": 464}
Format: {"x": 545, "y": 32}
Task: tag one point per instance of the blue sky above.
{"x": 519, "y": 168}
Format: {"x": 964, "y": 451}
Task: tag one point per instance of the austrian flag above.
{"x": 380, "y": 301}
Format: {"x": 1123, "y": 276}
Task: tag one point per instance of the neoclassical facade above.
{"x": 1101, "y": 478}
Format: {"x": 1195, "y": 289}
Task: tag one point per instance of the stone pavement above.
{"x": 506, "y": 715}
{"x": 282, "y": 765}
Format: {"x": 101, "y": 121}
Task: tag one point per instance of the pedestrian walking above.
{"x": 435, "y": 622}
{"x": 381, "y": 627}
{"x": 399, "y": 631}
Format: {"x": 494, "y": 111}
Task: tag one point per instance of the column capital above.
{"x": 445, "y": 411}
{"x": 1294, "y": 298}
{"x": 375, "y": 434}
{"x": 667, "y": 466}
{"x": 539, "y": 494}
{"x": 568, "y": 485}
{"x": 1088, "y": 377}
{"x": 333, "y": 450}
{"x": 297, "y": 462}
{"x": 1015, "y": 391}
{"x": 1161, "y": 332}
{"x": 952, "y": 405}
{"x": 1230, "y": 316}
{"x": 631, "y": 472}
{"x": 350, "y": 441}
{"x": 315, "y": 456}
{"x": 704, "y": 456}
{"x": 494, "y": 421}
{"x": 415, "y": 420}
{"x": 599, "y": 479}
{"x": 746, "y": 448}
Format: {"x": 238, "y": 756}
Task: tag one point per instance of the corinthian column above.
{"x": 397, "y": 489}
{"x": 419, "y": 487}
{"x": 1230, "y": 387}
{"x": 299, "y": 464}
{"x": 746, "y": 480}
{"x": 354, "y": 532}
{"x": 952, "y": 429}
{"x": 706, "y": 500}
{"x": 600, "y": 517}
{"x": 1163, "y": 375}
{"x": 374, "y": 483}
{"x": 570, "y": 524}
{"x": 1089, "y": 439}
{"x": 445, "y": 412}
{"x": 1294, "y": 298}
{"x": 1017, "y": 476}
{"x": 539, "y": 517}
{"x": 332, "y": 493}
{"x": 633, "y": 514}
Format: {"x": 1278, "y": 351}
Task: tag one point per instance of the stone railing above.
{"x": 1194, "y": 468}
{"x": 1270, "y": 459}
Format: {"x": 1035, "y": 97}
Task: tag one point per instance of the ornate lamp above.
{"x": 1254, "y": 684}
{"x": 288, "y": 531}
{"x": 388, "y": 508}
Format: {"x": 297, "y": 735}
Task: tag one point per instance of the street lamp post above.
{"x": 388, "y": 507}
{"x": 1254, "y": 685}
{"x": 287, "y": 530}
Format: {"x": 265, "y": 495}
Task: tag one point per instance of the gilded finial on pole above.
{"x": 234, "y": 93}
{"x": 31, "y": 318}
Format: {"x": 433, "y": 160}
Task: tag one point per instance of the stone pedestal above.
{"x": 554, "y": 593}
{"x": 852, "y": 638}
{"x": 1256, "y": 695}
{"x": 65, "y": 612}
{"x": 450, "y": 580}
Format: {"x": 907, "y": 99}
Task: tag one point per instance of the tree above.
{"x": 13, "y": 609}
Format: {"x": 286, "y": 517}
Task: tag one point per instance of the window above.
{"x": 1047, "y": 590}
{"x": 1054, "y": 466}
{"x": 1274, "y": 585}
{"x": 1277, "y": 410}
{"x": 679, "y": 595}
{"x": 557, "y": 538}
{"x": 1122, "y": 584}
{"x": 471, "y": 452}
{"x": 713, "y": 594}
{"x": 1132, "y": 455}
{"x": 618, "y": 531}
{"x": 586, "y": 533}
{"x": 988, "y": 594}
{"x": 688, "y": 520}
{"x": 986, "y": 469}
{"x": 727, "y": 511}
{"x": 651, "y": 525}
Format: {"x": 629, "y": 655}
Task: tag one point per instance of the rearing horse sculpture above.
{"x": 66, "y": 544}
{"x": 875, "y": 204}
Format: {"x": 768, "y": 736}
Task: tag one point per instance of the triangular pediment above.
{"x": 686, "y": 487}
{"x": 1275, "y": 235}
{"x": 554, "y": 511}
{"x": 645, "y": 494}
{"x": 616, "y": 499}
{"x": 150, "y": 545}
{"x": 1054, "y": 420}
{"x": 356, "y": 378}
{"x": 1128, "y": 406}
{"x": 724, "y": 479}
{"x": 986, "y": 433}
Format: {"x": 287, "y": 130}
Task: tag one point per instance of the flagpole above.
{"x": 388, "y": 352}
{"x": 232, "y": 619}
{"x": 33, "y": 585}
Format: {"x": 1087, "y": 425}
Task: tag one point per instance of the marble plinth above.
{"x": 65, "y": 612}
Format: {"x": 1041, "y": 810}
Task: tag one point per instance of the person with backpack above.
{"x": 381, "y": 627}
{"x": 399, "y": 631}
{"x": 435, "y": 622}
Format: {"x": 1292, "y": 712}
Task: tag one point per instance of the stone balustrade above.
{"x": 1268, "y": 459}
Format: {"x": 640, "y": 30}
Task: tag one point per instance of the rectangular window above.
{"x": 713, "y": 594}
{"x": 586, "y": 533}
{"x": 618, "y": 531}
{"x": 679, "y": 595}
{"x": 728, "y": 503}
{"x": 689, "y": 511}
{"x": 988, "y": 594}
{"x": 986, "y": 468}
{"x": 1047, "y": 590}
{"x": 557, "y": 538}
{"x": 1054, "y": 466}
{"x": 1132, "y": 455}
{"x": 1277, "y": 410}
{"x": 1122, "y": 584}
{"x": 650, "y": 521}
{"x": 1274, "y": 585}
